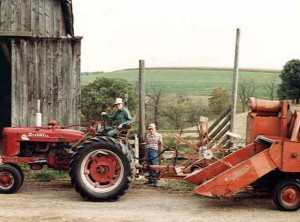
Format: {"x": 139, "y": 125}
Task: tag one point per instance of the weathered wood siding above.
{"x": 49, "y": 70}
{"x": 42, "y": 18}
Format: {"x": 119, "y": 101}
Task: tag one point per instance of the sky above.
{"x": 186, "y": 33}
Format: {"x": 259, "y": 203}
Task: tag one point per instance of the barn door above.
{"x": 5, "y": 84}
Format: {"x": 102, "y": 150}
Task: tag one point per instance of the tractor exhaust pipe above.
{"x": 38, "y": 115}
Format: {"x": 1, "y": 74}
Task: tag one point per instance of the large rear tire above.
{"x": 287, "y": 196}
{"x": 10, "y": 179}
{"x": 102, "y": 169}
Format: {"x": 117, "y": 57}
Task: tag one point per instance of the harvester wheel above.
{"x": 10, "y": 179}
{"x": 287, "y": 196}
{"x": 102, "y": 169}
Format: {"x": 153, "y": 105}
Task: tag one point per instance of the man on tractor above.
{"x": 121, "y": 117}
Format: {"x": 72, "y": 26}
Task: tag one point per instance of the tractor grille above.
{"x": 4, "y": 144}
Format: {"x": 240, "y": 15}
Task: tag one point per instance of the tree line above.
{"x": 175, "y": 111}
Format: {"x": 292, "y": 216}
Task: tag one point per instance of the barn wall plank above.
{"x": 15, "y": 62}
{"x": 41, "y": 15}
{"x": 45, "y": 69}
{"x": 43, "y": 18}
{"x": 21, "y": 17}
{"x": 76, "y": 67}
{"x": 28, "y": 90}
{"x": 57, "y": 20}
{"x": 48, "y": 103}
{"x": 15, "y": 15}
{"x": 48, "y": 22}
{"x": 33, "y": 20}
{"x": 4, "y": 14}
{"x": 26, "y": 17}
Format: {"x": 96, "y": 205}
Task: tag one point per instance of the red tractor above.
{"x": 100, "y": 167}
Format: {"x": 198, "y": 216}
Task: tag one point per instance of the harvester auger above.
{"x": 101, "y": 167}
{"x": 270, "y": 161}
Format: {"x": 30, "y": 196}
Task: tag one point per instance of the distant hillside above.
{"x": 211, "y": 68}
{"x": 187, "y": 81}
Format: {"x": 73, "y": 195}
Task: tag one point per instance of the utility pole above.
{"x": 142, "y": 128}
{"x": 235, "y": 81}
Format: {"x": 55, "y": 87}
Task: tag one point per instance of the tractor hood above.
{"x": 42, "y": 134}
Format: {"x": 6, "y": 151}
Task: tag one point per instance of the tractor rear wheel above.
{"x": 10, "y": 179}
{"x": 102, "y": 169}
{"x": 287, "y": 196}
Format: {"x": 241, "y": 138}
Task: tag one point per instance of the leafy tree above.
{"x": 219, "y": 100}
{"x": 290, "y": 77}
{"x": 100, "y": 96}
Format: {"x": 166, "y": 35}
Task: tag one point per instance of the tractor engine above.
{"x": 56, "y": 155}
{"x": 40, "y": 146}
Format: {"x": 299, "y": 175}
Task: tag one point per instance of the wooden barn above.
{"x": 39, "y": 60}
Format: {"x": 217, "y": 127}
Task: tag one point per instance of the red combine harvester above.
{"x": 270, "y": 162}
{"x": 100, "y": 167}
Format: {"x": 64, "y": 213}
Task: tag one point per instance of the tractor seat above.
{"x": 124, "y": 131}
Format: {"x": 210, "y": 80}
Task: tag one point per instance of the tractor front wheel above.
{"x": 101, "y": 169}
{"x": 10, "y": 179}
{"x": 287, "y": 195}
{"x": 20, "y": 172}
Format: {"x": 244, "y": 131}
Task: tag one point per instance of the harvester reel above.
{"x": 208, "y": 154}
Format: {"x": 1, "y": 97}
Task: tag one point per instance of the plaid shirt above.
{"x": 154, "y": 141}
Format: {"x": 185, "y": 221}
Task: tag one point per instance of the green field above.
{"x": 189, "y": 81}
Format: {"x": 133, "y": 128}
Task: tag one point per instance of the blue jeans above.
{"x": 111, "y": 131}
{"x": 152, "y": 159}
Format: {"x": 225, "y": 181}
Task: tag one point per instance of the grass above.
{"x": 178, "y": 185}
{"x": 44, "y": 175}
{"x": 189, "y": 81}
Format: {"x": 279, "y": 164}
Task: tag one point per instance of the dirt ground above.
{"x": 58, "y": 201}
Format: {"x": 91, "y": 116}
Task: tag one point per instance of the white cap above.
{"x": 151, "y": 126}
{"x": 118, "y": 101}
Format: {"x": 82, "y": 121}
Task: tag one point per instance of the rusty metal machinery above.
{"x": 270, "y": 161}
